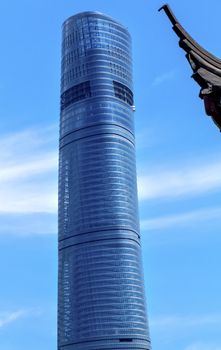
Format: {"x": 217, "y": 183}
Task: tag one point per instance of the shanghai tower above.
{"x": 101, "y": 300}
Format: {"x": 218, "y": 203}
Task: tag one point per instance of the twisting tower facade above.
{"x": 101, "y": 302}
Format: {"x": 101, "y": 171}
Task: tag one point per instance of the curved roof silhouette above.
{"x": 206, "y": 68}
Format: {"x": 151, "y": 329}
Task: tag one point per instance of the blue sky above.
{"x": 178, "y": 161}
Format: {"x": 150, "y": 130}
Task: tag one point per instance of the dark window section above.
{"x": 123, "y": 92}
{"x": 125, "y": 340}
{"x": 75, "y": 93}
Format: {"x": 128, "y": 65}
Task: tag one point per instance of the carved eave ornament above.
{"x": 206, "y": 69}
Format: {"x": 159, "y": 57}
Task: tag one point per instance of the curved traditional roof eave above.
{"x": 206, "y": 68}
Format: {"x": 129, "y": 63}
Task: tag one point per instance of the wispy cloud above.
{"x": 183, "y": 219}
{"x": 190, "y": 325}
{"x": 47, "y": 162}
{"x": 160, "y": 79}
{"x": 27, "y": 142}
{"x": 173, "y": 321}
{"x": 145, "y": 138}
{"x": 10, "y": 317}
{"x": 28, "y": 171}
{"x": 183, "y": 181}
{"x": 28, "y": 175}
{"x": 203, "y": 346}
{"x": 26, "y": 224}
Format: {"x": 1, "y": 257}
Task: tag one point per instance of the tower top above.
{"x": 96, "y": 14}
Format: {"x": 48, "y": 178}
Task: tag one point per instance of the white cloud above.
{"x": 192, "y": 324}
{"x": 28, "y": 175}
{"x": 183, "y": 219}
{"x": 173, "y": 183}
{"x": 174, "y": 321}
{"x": 28, "y": 171}
{"x": 9, "y": 317}
{"x": 203, "y": 346}
{"x": 13, "y": 316}
{"x": 160, "y": 79}
{"x": 145, "y": 138}
{"x": 28, "y": 224}
{"x": 16, "y": 145}
{"x": 41, "y": 164}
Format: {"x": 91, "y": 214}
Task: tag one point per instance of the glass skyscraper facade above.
{"x": 101, "y": 302}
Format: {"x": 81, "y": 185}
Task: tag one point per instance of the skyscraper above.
{"x": 101, "y": 302}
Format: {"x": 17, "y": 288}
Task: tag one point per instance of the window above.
{"x": 123, "y": 92}
{"x": 75, "y": 93}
